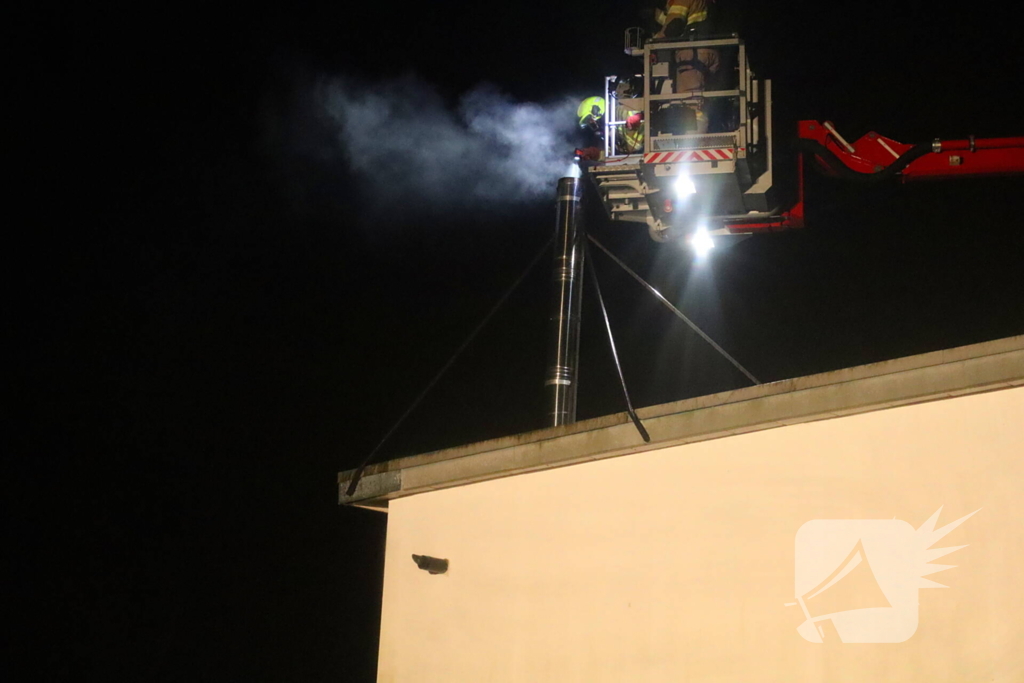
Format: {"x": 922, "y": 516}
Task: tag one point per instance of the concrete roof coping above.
{"x": 913, "y": 379}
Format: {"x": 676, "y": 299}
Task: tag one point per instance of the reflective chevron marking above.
{"x": 722, "y": 154}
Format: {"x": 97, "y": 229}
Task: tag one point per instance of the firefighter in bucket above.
{"x": 629, "y": 133}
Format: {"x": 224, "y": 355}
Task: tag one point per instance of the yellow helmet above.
{"x": 591, "y": 108}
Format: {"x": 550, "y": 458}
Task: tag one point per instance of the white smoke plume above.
{"x": 412, "y": 152}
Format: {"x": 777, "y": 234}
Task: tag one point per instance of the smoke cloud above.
{"x": 412, "y": 152}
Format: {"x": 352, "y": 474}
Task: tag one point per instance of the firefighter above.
{"x": 629, "y": 138}
{"x": 688, "y": 20}
{"x": 591, "y": 113}
{"x": 683, "y": 18}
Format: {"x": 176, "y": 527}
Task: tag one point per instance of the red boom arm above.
{"x": 874, "y": 153}
{"x": 876, "y": 157}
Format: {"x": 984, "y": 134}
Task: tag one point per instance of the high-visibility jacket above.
{"x": 628, "y": 140}
{"x": 689, "y": 12}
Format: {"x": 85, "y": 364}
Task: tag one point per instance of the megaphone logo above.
{"x": 857, "y": 579}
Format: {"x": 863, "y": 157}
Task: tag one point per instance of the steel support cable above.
{"x": 430, "y": 385}
{"x": 615, "y": 354}
{"x": 679, "y": 314}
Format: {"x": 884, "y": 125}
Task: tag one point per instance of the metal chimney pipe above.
{"x": 566, "y": 300}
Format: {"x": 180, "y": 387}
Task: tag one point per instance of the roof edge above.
{"x": 913, "y": 379}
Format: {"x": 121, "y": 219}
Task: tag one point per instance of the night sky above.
{"x": 220, "y": 317}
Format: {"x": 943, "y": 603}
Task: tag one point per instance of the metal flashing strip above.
{"x": 932, "y": 376}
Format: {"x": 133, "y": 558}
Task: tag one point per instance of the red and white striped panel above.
{"x": 722, "y": 154}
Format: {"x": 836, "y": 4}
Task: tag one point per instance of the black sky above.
{"x": 215, "y": 328}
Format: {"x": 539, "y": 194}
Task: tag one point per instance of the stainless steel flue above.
{"x": 561, "y": 382}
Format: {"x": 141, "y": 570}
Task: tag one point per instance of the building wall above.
{"x": 677, "y": 564}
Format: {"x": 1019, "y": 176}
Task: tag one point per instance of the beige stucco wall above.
{"x": 676, "y": 564}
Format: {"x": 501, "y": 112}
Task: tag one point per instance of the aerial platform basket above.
{"x": 688, "y": 175}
